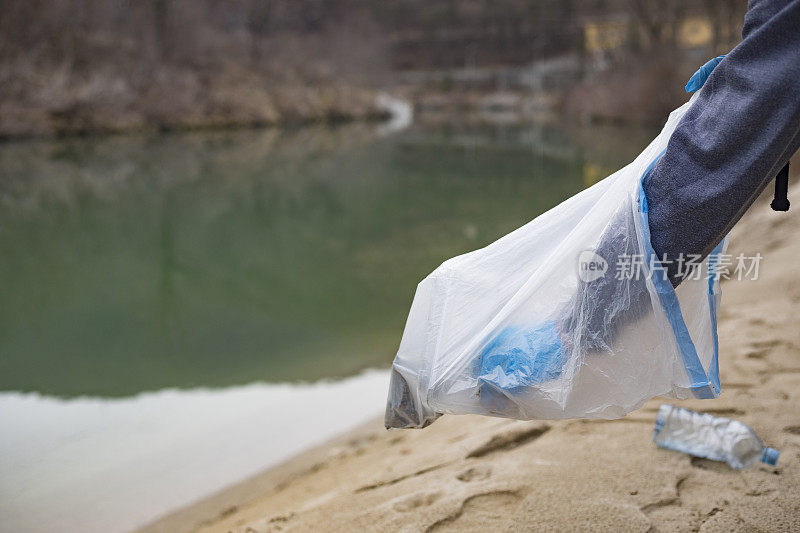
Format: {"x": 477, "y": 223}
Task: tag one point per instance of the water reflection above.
{"x": 91, "y": 464}
{"x": 214, "y": 259}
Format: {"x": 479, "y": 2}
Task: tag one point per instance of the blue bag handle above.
{"x": 704, "y": 384}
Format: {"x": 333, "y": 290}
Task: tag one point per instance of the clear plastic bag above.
{"x": 541, "y": 324}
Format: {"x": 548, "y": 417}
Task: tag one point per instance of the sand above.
{"x": 469, "y": 473}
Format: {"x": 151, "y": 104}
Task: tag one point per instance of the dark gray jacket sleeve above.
{"x": 741, "y": 130}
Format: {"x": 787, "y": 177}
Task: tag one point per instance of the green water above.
{"x": 135, "y": 263}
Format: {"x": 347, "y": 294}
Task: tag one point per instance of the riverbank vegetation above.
{"x": 87, "y": 66}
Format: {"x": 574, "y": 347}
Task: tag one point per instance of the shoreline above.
{"x": 202, "y": 440}
{"x": 465, "y": 472}
{"x": 230, "y": 500}
{"x": 376, "y": 117}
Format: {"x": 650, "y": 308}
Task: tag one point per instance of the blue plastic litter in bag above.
{"x": 516, "y": 359}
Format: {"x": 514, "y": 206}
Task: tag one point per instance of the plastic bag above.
{"x": 542, "y": 323}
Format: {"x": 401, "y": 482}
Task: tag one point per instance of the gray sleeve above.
{"x": 742, "y": 129}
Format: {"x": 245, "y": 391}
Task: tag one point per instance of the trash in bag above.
{"x": 569, "y": 316}
{"x": 712, "y": 437}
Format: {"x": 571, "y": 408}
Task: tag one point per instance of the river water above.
{"x": 179, "y": 311}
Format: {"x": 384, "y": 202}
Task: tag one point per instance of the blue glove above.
{"x": 516, "y": 359}
{"x": 699, "y": 78}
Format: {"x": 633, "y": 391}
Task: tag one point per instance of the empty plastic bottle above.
{"x": 712, "y": 437}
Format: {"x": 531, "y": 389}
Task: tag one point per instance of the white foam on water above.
{"x": 94, "y": 464}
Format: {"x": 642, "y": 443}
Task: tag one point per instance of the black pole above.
{"x": 781, "y": 201}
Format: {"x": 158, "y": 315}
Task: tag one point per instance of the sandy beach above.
{"x": 469, "y": 473}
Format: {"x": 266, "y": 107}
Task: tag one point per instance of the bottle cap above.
{"x": 770, "y": 455}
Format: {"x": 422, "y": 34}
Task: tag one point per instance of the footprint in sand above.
{"x": 509, "y": 440}
{"x": 715, "y": 466}
{"x": 767, "y": 344}
{"x": 276, "y": 524}
{"x": 474, "y": 474}
{"x": 738, "y": 385}
{"x": 757, "y": 354}
{"x": 409, "y": 503}
{"x": 480, "y": 512}
{"x": 724, "y": 411}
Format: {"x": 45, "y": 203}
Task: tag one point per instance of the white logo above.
{"x": 591, "y": 266}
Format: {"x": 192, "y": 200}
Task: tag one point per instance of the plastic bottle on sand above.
{"x": 712, "y": 437}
